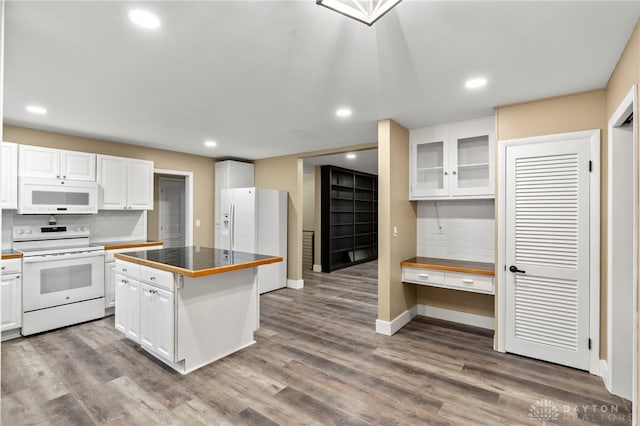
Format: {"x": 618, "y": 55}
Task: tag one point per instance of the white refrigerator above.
{"x": 254, "y": 220}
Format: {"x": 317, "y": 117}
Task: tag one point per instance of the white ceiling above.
{"x": 365, "y": 161}
{"x": 265, "y": 78}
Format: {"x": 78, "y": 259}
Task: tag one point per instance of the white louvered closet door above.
{"x": 547, "y": 219}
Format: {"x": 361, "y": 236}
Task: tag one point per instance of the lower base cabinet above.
{"x": 11, "y": 289}
{"x": 157, "y": 321}
{"x": 127, "y": 318}
{"x": 145, "y": 308}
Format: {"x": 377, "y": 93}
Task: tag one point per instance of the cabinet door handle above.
{"x": 445, "y": 173}
{"x": 423, "y": 275}
{"x": 453, "y": 172}
{"x": 467, "y": 281}
{"x": 152, "y": 278}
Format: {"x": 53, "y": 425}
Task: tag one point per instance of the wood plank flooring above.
{"x": 317, "y": 360}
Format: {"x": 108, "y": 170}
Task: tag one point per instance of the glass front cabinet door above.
{"x": 453, "y": 161}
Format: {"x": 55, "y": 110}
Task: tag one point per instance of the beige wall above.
{"x": 309, "y": 201}
{"x": 582, "y": 111}
{"x": 317, "y": 243}
{"x": 394, "y": 209}
{"x": 624, "y": 76}
{"x": 285, "y": 173}
{"x": 202, "y": 167}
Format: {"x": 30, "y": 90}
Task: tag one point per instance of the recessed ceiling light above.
{"x": 144, "y": 19}
{"x": 210, "y": 144}
{"x": 351, "y": 156}
{"x": 343, "y": 112}
{"x": 36, "y": 109}
{"x": 475, "y": 83}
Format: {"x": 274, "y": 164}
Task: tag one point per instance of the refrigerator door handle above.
{"x": 232, "y": 225}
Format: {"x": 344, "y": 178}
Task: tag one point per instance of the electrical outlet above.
{"x": 197, "y": 223}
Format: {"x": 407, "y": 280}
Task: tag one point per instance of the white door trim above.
{"x": 188, "y": 201}
{"x": 630, "y": 102}
{"x": 594, "y": 255}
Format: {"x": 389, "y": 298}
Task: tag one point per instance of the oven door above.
{"x": 53, "y": 280}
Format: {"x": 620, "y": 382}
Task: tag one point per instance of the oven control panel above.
{"x": 49, "y": 232}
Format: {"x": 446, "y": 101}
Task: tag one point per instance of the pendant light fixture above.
{"x": 365, "y": 11}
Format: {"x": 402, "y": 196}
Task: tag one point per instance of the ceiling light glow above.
{"x": 365, "y": 11}
{"x": 475, "y": 83}
{"x": 351, "y": 156}
{"x": 211, "y": 144}
{"x": 34, "y": 109}
{"x": 144, "y": 19}
{"x": 343, "y": 112}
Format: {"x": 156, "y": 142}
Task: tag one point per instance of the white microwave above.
{"x": 53, "y": 196}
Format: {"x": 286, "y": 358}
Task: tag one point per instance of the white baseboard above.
{"x": 11, "y": 334}
{"x": 317, "y": 268}
{"x": 466, "y": 318}
{"x": 604, "y": 373}
{"x": 295, "y": 284}
{"x": 389, "y": 328}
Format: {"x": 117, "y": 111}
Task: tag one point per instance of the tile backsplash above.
{"x": 460, "y": 229}
{"x": 107, "y": 225}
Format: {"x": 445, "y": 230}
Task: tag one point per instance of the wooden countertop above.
{"x": 130, "y": 244}
{"x": 452, "y": 265}
{"x": 197, "y": 261}
{"x": 11, "y": 254}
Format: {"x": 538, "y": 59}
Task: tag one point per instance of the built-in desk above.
{"x": 449, "y": 273}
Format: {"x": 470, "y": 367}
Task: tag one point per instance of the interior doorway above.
{"x": 622, "y": 249}
{"x": 171, "y": 204}
{"x": 184, "y": 219}
{"x": 364, "y": 160}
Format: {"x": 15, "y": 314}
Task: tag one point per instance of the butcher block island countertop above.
{"x": 189, "y": 306}
{"x": 117, "y": 245}
{"x": 194, "y": 261}
{"x": 480, "y": 268}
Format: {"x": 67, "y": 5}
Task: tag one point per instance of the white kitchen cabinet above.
{"x": 109, "y": 284}
{"x": 157, "y": 328}
{"x": 11, "y": 294}
{"x": 127, "y": 318}
{"x": 36, "y": 161}
{"x": 453, "y": 161}
{"x": 9, "y": 175}
{"x": 124, "y": 183}
{"x": 140, "y": 184}
{"x": 145, "y": 307}
{"x": 110, "y": 270}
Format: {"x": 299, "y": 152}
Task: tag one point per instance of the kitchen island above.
{"x": 188, "y": 306}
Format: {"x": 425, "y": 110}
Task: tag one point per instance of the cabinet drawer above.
{"x": 11, "y": 266}
{"x": 470, "y": 282}
{"x": 157, "y": 278}
{"x": 127, "y": 268}
{"x": 423, "y": 276}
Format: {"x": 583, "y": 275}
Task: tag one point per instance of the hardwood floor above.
{"x": 317, "y": 360}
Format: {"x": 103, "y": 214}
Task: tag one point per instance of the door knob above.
{"x": 514, "y": 268}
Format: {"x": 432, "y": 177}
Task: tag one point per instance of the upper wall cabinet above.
{"x": 9, "y": 175}
{"x": 453, "y": 161}
{"x": 124, "y": 183}
{"x": 52, "y": 163}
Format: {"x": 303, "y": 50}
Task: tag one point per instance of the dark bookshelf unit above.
{"x": 349, "y": 218}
